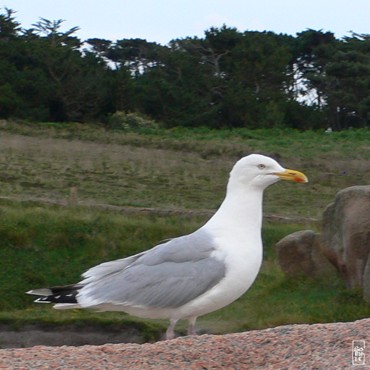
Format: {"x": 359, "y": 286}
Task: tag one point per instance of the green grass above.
{"x": 174, "y": 170}
{"x": 51, "y": 245}
{"x": 161, "y": 168}
{"x": 43, "y": 246}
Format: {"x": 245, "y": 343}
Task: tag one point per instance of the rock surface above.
{"x": 319, "y": 346}
{"x": 345, "y": 235}
{"x": 299, "y": 253}
{"x": 366, "y": 288}
{"x": 344, "y": 241}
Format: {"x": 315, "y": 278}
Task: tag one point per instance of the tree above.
{"x": 187, "y": 82}
{"x": 348, "y": 83}
{"x": 137, "y": 55}
{"x": 81, "y": 82}
{"x": 315, "y": 49}
{"x": 337, "y": 74}
{"x": 9, "y": 30}
{"x": 227, "y": 78}
{"x": 257, "y": 93}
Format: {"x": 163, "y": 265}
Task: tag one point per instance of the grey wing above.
{"x": 111, "y": 267}
{"x": 168, "y": 275}
{"x": 108, "y": 268}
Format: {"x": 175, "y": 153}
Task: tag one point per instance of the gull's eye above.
{"x": 261, "y": 166}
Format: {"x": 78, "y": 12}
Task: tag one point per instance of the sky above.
{"x": 164, "y": 20}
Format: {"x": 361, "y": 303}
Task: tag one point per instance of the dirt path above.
{"x": 70, "y": 335}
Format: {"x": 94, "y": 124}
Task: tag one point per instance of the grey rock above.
{"x": 345, "y": 236}
{"x": 299, "y": 254}
{"x": 366, "y": 280}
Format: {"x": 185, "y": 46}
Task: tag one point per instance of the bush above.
{"x": 130, "y": 121}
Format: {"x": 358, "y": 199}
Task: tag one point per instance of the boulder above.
{"x": 366, "y": 290}
{"x": 345, "y": 235}
{"x": 299, "y": 254}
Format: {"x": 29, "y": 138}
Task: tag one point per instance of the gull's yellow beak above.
{"x": 292, "y": 175}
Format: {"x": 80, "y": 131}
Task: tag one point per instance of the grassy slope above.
{"x": 44, "y": 245}
{"x": 161, "y": 168}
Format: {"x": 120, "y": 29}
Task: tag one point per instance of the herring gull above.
{"x": 190, "y": 275}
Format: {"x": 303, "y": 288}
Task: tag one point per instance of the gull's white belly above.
{"x": 241, "y": 271}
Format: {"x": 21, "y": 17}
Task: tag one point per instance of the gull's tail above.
{"x": 64, "y": 297}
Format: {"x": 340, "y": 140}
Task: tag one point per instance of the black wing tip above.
{"x": 42, "y": 300}
{"x": 55, "y": 295}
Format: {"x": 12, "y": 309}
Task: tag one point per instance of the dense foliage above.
{"x": 226, "y": 79}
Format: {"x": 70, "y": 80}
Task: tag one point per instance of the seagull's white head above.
{"x": 259, "y": 171}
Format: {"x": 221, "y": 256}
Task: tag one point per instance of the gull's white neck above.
{"x": 241, "y": 211}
